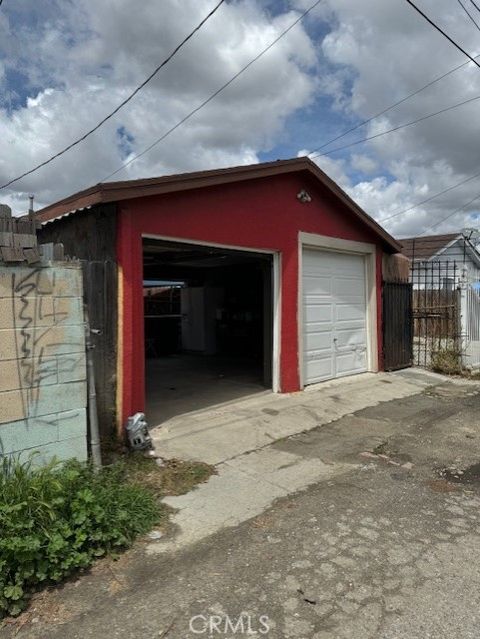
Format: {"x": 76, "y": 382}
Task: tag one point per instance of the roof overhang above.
{"x": 109, "y": 192}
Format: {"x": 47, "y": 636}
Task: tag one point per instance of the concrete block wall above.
{"x": 43, "y": 394}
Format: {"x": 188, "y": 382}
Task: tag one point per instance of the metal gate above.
{"x": 436, "y": 312}
{"x": 397, "y": 325}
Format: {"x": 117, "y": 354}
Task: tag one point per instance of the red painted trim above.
{"x": 379, "y": 284}
{"x": 262, "y": 214}
{"x": 130, "y": 261}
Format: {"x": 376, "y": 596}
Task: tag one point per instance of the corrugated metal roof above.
{"x": 62, "y": 215}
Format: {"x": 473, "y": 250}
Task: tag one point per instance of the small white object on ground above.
{"x": 155, "y": 534}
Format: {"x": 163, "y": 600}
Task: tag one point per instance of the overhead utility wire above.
{"x": 213, "y": 95}
{"x": 432, "y": 197}
{"x": 122, "y": 104}
{"x": 396, "y": 128}
{"x": 392, "y": 106}
{"x": 461, "y": 208}
{"x": 475, "y": 5}
{"x": 469, "y": 14}
{"x": 435, "y": 26}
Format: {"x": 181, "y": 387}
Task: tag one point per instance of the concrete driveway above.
{"x": 366, "y": 526}
{"x": 229, "y": 429}
{"x": 243, "y": 439}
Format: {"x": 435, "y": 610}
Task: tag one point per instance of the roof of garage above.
{"x": 106, "y": 192}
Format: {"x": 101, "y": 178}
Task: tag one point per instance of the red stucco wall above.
{"x": 261, "y": 214}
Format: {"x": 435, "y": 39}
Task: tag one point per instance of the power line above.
{"x": 435, "y": 26}
{"x": 461, "y": 208}
{"x": 475, "y": 5}
{"x": 469, "y": 14}
{"x": 122, "y": 104}
{"x": 396, "y": 128}
{"x": 432, "y": 197}
{"x": 213, "y": 95}
{"x": 392, "y": 106}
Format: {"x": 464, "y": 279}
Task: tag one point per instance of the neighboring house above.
{"x": 280, "y": 269}
{"x": 440, "y": 261}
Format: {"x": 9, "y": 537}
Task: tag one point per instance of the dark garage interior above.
{"x": 208, "y": 326}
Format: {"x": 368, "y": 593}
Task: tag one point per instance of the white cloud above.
{"x": 390, "y": 51}
{"x": 77, "y": 61}
{"x": 81, "y": 60}
{"x": 363, "y": 163}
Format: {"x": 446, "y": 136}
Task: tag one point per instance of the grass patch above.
{"x": 447, "y": 361}
{"x": 176, "y": 477}
{"x": 58, "y": 519}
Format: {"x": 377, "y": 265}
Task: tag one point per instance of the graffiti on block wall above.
{"x": 46, "y": 346}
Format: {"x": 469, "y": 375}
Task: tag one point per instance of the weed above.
{"x": 176, "y": 477}
{"x": 447, "y": 361}
{"x": 57, "y": 519}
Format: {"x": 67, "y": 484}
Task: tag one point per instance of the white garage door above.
{"x": 334, "y": 315}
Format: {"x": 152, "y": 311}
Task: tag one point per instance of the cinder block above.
{"x": 71, "y": 368}
{"x": 56, "y": 398}
{"x": 26, "y": 312}
{"x": 13, "y": 406}
{"x": 30, "y": 281}
{"x": 24, "y": 240}
{"x": 68, "y": 310}
{"x": 6, "y": 312}
{"x": 25, "y": 373}
{"x": 76, "y": 447}
{"x": 6, "y": 281}
{"x": 6, "y": 238}
{"x": 15, "y": 343}
{"x": 42, "y": 455}
{"x": 72, "y": 423}
{"x": 25, "y": 343}
{"x": 42, "y": 371}
{"x": 68, "y": 282}
{"x": 11, "y": 375}
{"x": 27, "y": 434}
{"x": 59, "y": 340}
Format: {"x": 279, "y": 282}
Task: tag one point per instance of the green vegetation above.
{"x": 176, "y": 477}
{"x": 58, "y": 519}
{"x": 447, "y": 361}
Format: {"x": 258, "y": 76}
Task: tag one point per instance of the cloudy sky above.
{"x": 65, "y": 64}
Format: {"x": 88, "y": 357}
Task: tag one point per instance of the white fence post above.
{"x": 464, "y": 336}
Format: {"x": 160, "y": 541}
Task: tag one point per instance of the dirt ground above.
{"x": 386, "y": 550}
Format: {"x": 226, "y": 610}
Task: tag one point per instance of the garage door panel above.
{"x": 318, "y": 313}
{"x": 334, "y": 312}
{"x": 353, "y": 312}
{"x": 351, "y": 363}
{"x": 320, "y": 285}
{"x": 351, "y": 287}
{"x": 350, "y": 337}
{"x": 344, "y": 262}
{"x": 319, "y": 369}
{"x": 318, "y": 340}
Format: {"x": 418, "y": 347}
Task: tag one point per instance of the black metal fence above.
{"x": 436, "y": 310}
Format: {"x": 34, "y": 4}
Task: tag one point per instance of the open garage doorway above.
{"x": 209, "y": 324}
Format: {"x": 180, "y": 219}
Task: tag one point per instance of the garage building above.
{"x": 268, "y": 274}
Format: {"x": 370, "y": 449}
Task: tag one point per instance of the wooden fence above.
{"x": 436, "y": 313}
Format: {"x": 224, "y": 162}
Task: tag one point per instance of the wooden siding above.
{"x": 91, "y": 237}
